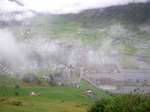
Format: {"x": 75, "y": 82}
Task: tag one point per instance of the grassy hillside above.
{"x": 9, "y": 81}
{"x": 51, "y": 99}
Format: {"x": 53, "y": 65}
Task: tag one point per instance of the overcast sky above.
{"x": 60, "y": 6}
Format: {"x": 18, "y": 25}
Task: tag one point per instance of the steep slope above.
{"x": 112, "y": 42}
{"x": 134, "y": 13}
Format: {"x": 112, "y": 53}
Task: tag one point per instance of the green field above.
{"x": 51, "y": 99}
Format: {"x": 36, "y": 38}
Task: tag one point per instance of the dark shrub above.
{"x": 123, "y": 103}
{"x": 16, "y": 103}
{"x": 17, "y": 86}
{"x": 99, "y": 106}
{"x": 31, "y": 78}
{"x": 12, "y": 102}
{"x": 2, "y": 99}
{"x": 16, "y": 93}
{"x": 129, "y": 103}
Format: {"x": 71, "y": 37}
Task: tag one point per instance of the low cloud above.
{"x": 72, "y": 6}
{"x": 19, "y": 56}
{"x": 60, "y": 6}
{"x": 8, "y": 6}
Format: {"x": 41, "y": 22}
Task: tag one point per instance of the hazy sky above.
{"x": 7, "y": 6}
{"x": 65, "y": 6}
{"x": 60, "y": 6}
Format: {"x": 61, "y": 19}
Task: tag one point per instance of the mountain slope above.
{"x": 113, "y": 42}
{"x": 134, "y": 13}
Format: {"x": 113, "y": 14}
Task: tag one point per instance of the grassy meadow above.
{"x": 51, "y": 99}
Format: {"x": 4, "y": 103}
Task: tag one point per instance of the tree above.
{"x": 123, "y": 103}
{"x": 99, "y": 106}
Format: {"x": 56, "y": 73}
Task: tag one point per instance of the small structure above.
{"x": 34, "y": 94}
{"x": 89, "y": 93}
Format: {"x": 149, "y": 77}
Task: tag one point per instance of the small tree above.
{"x": 123, "y": 103}
{"x": 99, "y": 106}
{"x": 17, "y": 87}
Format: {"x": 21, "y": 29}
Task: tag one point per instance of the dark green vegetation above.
{"x": 15, "y": 97}
{"x": 123, "y": 103}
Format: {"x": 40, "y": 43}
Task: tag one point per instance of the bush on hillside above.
{"x": 123, "y": 103}
{"x": 31, "y": 78}
{"x": 99, "y": 106}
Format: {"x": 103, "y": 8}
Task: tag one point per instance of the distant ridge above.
{"x": 135, "y": 13}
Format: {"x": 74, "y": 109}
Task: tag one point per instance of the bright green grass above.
{"x": 52, "y": 99}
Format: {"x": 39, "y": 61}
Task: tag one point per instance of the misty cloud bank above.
{"x": 18, "y": 10}
{"x": 30, "y": 55}
{"x": 60, "y": 6}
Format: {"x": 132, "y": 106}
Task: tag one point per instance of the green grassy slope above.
{"x": 52, "y": 99}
